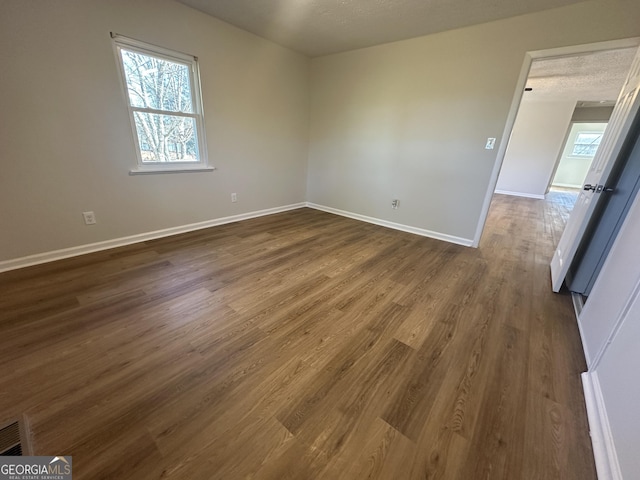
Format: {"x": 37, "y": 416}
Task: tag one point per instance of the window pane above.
{"x": 166, "y": 138}
{"x": 157, "y": 83}
{"x": 591, "y": 138}
{"x": 586, "y": 144}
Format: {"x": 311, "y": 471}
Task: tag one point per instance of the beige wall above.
{"x": 534, "y": 147}
{"x": 592, "y": 114}
{"x": 66, "y": 145}
{"x": 409, "y": 120}
{"x": 406, "y": 120}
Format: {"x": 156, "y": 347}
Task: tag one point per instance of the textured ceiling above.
{"x": 592, "y": 77}
{"x": 321, "y": 27}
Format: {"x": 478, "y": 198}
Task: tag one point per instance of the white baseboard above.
{"x": 604, "y": 449}
{"x": 45, "y": 257}
{"x": 578, "y": 305}
{"x": 396, "y": 226}
{"x": 520, "y": 194}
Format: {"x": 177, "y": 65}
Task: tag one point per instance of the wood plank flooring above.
{"x": 304, "y": 345}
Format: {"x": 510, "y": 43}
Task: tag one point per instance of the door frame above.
{"x": 529, "y": 57}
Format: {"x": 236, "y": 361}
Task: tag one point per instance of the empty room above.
{"x": 261, "y": 239}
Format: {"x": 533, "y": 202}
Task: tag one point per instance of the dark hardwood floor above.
{"x": 304, "y": 345}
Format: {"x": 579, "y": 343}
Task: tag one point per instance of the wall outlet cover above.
{"x": 89, "y": 218}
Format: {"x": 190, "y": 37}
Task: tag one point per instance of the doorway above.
{"x": 623, "y": 185}
{"x": 564, "y": 100}
{"x": 576, "y": 54}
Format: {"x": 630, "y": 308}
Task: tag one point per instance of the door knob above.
{"x": 602, "y": 188}
{"x": 588, "y": 187}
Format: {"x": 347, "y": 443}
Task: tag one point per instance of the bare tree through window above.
{"x": 160, "y": 93}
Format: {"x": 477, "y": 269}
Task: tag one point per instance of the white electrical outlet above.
{"x": 234, "y": 197}
{"x": 491, "y": 142}
{"x": 395, "y": 203}
{"x": 89, "y": 218}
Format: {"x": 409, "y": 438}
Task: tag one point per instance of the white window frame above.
{"x": 121, "y": 42}
{"x": 584, "y": 132}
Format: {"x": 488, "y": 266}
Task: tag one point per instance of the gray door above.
{"x": 607, "y": 220}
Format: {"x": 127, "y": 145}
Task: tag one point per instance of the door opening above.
{"x": 607, "y": 157}
{"x": 577, "y": 54}
{"x": 622, "y": 187}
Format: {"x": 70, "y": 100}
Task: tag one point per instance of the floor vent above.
{"x": 12, "y": 440}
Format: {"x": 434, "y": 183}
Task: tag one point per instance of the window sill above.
{"x": 153, "y": 170}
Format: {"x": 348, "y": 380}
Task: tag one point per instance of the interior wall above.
{"x": 405, "y": 120}
{"x": 572, "y": 169}
{"x": 537, "y": 138}
{"x": 410, "y": 119}
{"x": 621, "y": 395}
{"x": 66, "y": 145}
{"x": 592, "y": 114}
{"x": 610, "y": 321}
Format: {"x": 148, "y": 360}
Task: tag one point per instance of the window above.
{"x": 162, "y": 88}
{"x": 586, "y": 144}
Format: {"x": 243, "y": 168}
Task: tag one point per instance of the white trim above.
{"x": 586, "y": 48}
{"x": 141, "y": 237}
{"x": 521, "y": 194}
{"x": 621, "y": 318}
{"x": 147, "y": 169}
{"x": 578, "y": 305}
{"x": 396, "y": 226}
{"x": 45, "y": 257}
{"x": 604, "y": 449}
{"x": 566, "y": 185}
{"x": 153, "y": 49}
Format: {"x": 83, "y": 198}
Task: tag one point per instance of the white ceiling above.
{"x": 321, "y": 27}
{"x": 593, "y": 77}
